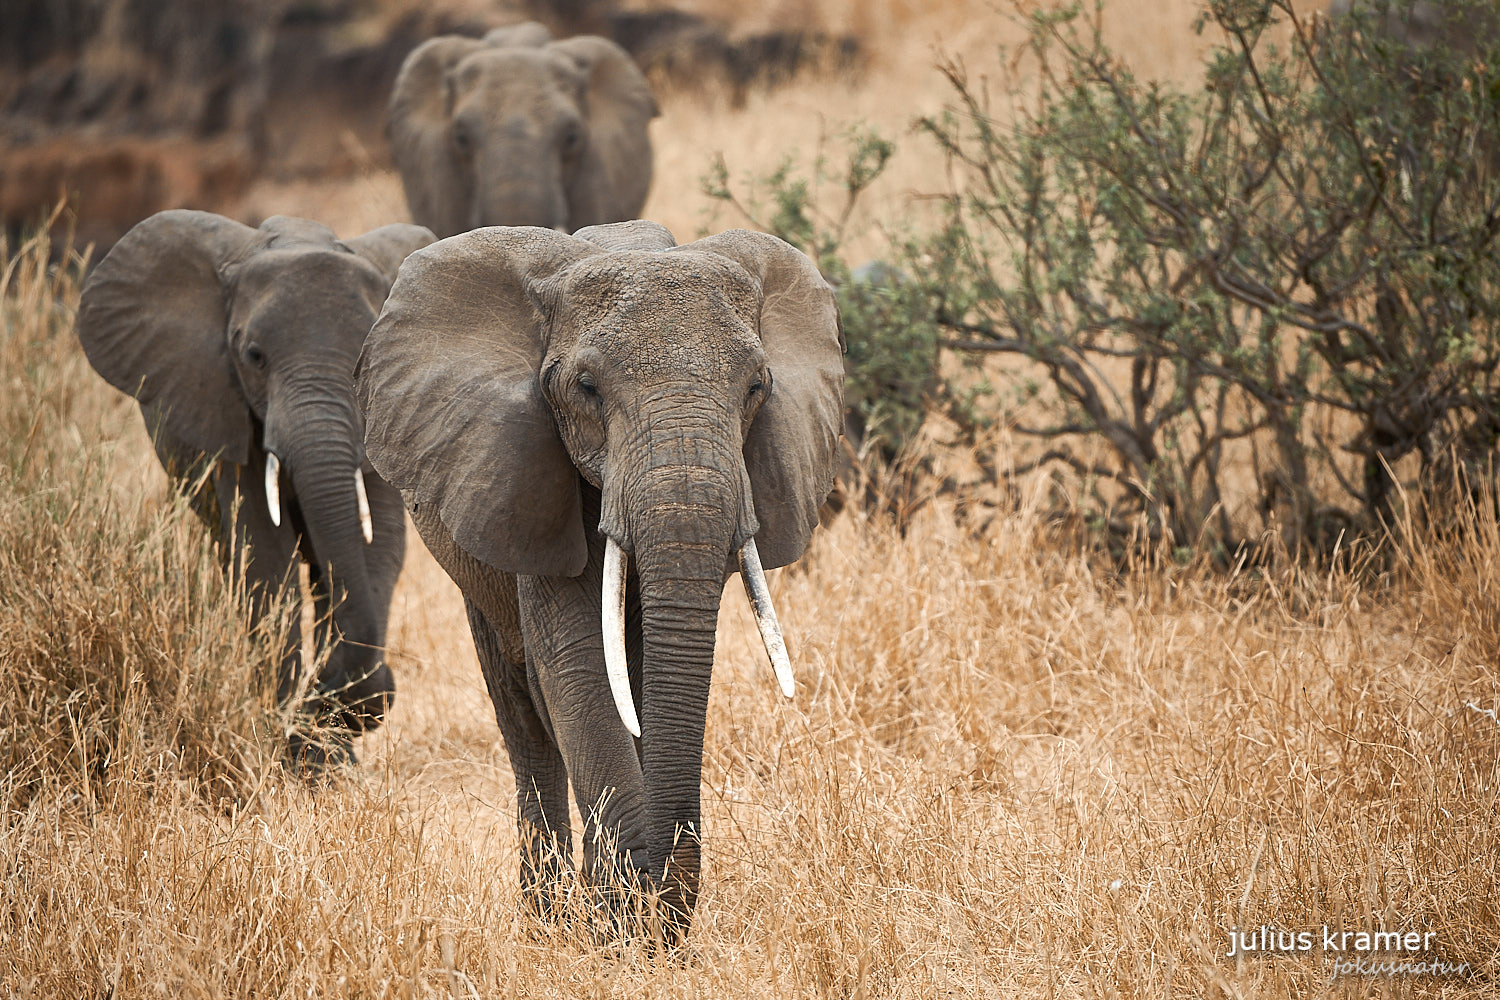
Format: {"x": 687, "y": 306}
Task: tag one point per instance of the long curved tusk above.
{"x": 365, "y": 526}
{"x": 273, "y": 487}
{"x": 765, "y": 615}
{"x": 614, "y": 635}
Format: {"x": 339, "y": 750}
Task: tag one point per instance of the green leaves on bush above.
{"x": 1259, "y": 307}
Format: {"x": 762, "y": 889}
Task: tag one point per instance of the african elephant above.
{"x": 518, "y": 130}
{"x": 591, "y": 432}
{"x": 240, "y": 346}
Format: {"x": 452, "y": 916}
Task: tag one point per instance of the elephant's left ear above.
{"x": 152, "y": 321}
{"x": 789, "y": 452}
{"x": 388, "y": 246}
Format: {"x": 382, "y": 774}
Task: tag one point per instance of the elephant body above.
{"x": 590, "y": 433}
{"x": 518, "y": 130}
{"x": 240, "y": 346}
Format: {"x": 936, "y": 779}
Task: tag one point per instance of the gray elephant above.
{"x": 591, "y": 433}
{"x": 240, "y": 346}
{"x": 518, "y": 130}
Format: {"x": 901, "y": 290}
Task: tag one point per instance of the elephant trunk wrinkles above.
{"x": 317, "y": 437}
{"x": 682, "y": 537}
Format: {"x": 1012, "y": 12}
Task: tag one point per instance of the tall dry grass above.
{"x": 1006, "y": 773}
{"x": 125, "y": 659}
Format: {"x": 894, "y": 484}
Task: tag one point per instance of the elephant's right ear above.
{"x": 152, "y": 321}
{"x": 418, "y": 129}
{"x": 454, "y": 414}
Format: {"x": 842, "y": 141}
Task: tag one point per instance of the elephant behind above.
{"x": 516, "y": 129}
{"x": 240, "y": 346}
{"x": 592, "y": 432}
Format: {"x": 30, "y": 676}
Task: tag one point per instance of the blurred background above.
{"x": 127, "y": 107}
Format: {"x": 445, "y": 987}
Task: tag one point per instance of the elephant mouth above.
{"x": 273, "y": 497}
{"x": 616, "y": 568}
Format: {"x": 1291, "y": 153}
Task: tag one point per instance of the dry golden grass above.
{"x": 1005, "y": 773}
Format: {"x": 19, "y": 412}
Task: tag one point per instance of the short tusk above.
{"x": 365, "y": 526}
{"x": 614, "y": 635}
{"x": 765, "y": 615}
{"x": 273, "y": 487}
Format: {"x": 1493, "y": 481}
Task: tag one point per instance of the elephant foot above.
{"x": 317, "y": 757}
{"x": 545, "y": 900}
{"x": 627, "y": 906}
{"x": 359, "y": 705}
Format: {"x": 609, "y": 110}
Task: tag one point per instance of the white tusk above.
{"x": 765, "y": 615}
{"x": 614, "y": 635}
{"x": 365, "y": 526}
{"x": 273, "y": 487}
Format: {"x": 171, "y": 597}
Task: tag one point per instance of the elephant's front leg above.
{"x": 542, "y": 820}
{"x": 560, "y": 617}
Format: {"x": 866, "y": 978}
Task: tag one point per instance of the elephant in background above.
{"x": 240, "y": 346}
{"x": 518, "y": 130}
{"x": 591, "y": 433}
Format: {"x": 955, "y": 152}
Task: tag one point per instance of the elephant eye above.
{"x": 588, "y": 385}
{"x": 759, "y": 384}
{"x": 572, "y": 138}
{"x": 255, "y": 356}
{"x": 462, "y": 141}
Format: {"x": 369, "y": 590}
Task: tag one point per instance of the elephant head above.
{"x": 691, "y": 395}
{"x": 517, "y": 130}
{"x": 240, "y": 346}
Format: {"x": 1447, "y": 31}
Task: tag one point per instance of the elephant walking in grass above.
{"x": 518, "y": 130}
{"x": 592, "y": 433}
{"x": 240, "y": 346}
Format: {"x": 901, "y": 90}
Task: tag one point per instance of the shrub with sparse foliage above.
{"x": 1270, "y": 298}
{"x": 1260, "y": 308}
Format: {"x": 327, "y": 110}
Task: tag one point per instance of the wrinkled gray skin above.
{"x": 531, "y": 393}
{"x": 517, "y": 130}
{"x": 239, "y": 341}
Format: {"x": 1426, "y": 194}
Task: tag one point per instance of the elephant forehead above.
{"x": 510, "y": 71}
{"x": 311, "y": 284}
{"x": 680, "y": 306}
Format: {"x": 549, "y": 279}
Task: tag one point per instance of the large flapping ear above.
{"x": 437, "y": 189}
{"x": 789, "y": 453}
{"x": 388, "y": 246}
{"x": 454, "y": 414}
{"x": 615, "y": 174}
{"x": 152, "y": 322}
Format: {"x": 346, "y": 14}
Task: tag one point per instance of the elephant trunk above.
{"x": 682, "y": 580}
{"x": 317, "y": 436}
{"x": 518, "y": 185}
{"x": 683, "y": 518}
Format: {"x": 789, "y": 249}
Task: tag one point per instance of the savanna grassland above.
{"x": 1011, "y": 769}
